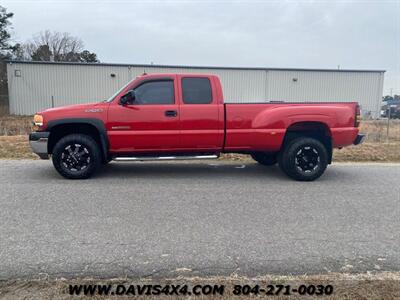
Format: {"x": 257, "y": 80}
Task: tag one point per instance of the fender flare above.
{"x": 98, "y": 124}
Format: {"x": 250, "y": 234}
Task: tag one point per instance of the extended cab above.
{"x": 183, "y": 116}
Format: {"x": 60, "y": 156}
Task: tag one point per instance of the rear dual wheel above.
{"x": 304, "y": 159}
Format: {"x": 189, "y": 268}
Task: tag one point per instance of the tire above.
{"x": 304, "y": 159}
{"x": 76, "y": 156}
{"x": 266, "y": 159}
{"x": 106, "y": 161}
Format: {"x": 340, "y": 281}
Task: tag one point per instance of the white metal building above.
{"x": 35, "y": 86}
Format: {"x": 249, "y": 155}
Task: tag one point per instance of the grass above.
{"x": 15, "y": 125}
{"x": 16, "y": 147}
{"x": 376, "y": 148}
{"x": 369, "y": 152}
{"x": 4, "y": 109}
{"x": 383, "y": 285}
{"x": 376, "y": 131}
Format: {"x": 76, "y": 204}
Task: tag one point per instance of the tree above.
{"x": 42, "y": 53}
{"x": 57, "y": 46}
{"x": 6, "y": 48}
{"x": 18, "y": 52}
{"x": 46, "y": 46}
{"x": 57, "y": 43}
{"x": 387, "y": 98}
{"x": 390, "y": 98}
{"x": 86, "y": 56}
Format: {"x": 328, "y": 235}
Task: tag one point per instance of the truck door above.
{"x": 201, "y": 116}
{"x": 150, "y": 122}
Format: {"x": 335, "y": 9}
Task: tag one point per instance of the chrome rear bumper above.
{"x": 38, "y": 142}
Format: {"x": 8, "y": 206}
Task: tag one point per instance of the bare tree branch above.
{"x": 63, "y": 46}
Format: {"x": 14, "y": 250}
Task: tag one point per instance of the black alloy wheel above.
{"x": 76, "y": 156}
{"x": 307, "y": 159}
{"x": 304, "y": 159}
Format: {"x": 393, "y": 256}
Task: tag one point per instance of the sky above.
{"x": 283, "y": 34}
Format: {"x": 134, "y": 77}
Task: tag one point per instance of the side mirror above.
{"x": 128, "y": 98}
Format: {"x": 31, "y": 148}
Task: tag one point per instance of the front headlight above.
{"x": 37, "y": 122}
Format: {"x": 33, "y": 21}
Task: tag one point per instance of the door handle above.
{"x": 171, "y": 113}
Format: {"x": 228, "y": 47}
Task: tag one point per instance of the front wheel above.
{"x": 76, "y": 156}
{"x": 304, "y": 159}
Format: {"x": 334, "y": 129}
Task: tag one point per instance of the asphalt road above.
{"x": 195, "y": 219}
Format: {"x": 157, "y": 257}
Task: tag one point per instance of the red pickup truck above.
{"x": 183, "y": 116}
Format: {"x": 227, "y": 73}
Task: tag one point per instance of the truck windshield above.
{"x": 117, "y": 92}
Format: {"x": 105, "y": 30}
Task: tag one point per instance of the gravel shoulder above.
{"x": 382, "y": 285}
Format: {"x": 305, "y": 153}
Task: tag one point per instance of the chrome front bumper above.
{"x": 359, "y": 139}
{"x": 38, "y": 142}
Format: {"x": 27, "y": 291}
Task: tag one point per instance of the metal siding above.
{"x": 74, "y": 83}
{"x": 365, "y": 88}
{"x": 238, "y": 86}
{"x": 68, "y": 84}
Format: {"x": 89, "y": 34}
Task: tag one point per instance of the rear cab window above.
{"x": 196, "y": 90}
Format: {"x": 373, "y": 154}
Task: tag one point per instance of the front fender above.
{"x": 98, "y": 124}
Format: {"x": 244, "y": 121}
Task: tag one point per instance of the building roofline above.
{"x": 192, "y": 67}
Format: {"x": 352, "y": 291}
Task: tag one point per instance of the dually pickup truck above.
{"x": 183, "y": 116}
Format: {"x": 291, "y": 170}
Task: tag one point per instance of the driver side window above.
{"x": 155, "y": 92}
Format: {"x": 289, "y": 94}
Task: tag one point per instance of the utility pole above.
{"x": 388, "y": 117}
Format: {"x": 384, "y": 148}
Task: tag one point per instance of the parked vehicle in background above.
{"x": 391, "y": 109}
{"x": 183, "y": 116}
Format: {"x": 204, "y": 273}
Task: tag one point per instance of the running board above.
{"x": 149, "y": 158}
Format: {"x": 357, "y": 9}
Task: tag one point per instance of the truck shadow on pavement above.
{"x": 217, "y": 170}
{"x": 188, "y": 170}
{"x": 185, "y": 170}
